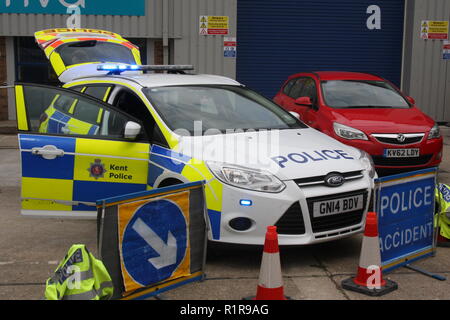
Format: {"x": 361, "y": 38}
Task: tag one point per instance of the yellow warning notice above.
{"x": 214, "y": 25}
{"x": 434, "y": 29}
{"x": 218, "y": 22}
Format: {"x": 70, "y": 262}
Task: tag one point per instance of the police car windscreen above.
{"x": 191, "y": 110}
{"x": 95, "y": 51}
{"x": 361, "y": 94}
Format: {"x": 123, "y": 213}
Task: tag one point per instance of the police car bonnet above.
{"x": 76, "y": 53}
{"x": 299, "y": 153}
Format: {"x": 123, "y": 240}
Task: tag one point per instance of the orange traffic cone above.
{"x": 369, "y": 279}
{"x": 270, "y": 284}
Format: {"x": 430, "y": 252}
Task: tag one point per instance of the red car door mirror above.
{"x": 411, "y": 100}
{"x": 304, "y": 101}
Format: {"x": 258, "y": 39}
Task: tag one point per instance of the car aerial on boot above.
{"x": 118, "y": 127}
{"x": 366, "y": 112}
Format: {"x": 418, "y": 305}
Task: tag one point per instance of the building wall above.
{"x": 3, "y": 79}
{"x": 204, "y": 52}
{"x": 171, "y": 27}
{"x": 426, "y": 76}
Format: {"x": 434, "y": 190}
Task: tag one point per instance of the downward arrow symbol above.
{"x": 167, "y": 252}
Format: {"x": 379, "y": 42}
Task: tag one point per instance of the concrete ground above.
{"x": 30, "y": 250}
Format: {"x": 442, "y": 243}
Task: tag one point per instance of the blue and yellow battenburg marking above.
{"x": 79, "y": 177}
{"x": 162, "y": 159}
{"x": 69, "y": 180}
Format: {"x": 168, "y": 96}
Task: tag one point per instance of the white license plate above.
{"x": 401, "y": 153}
{"x": 337, "y": 206}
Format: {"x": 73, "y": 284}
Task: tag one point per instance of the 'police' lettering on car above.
{"x": 305, "y": 157}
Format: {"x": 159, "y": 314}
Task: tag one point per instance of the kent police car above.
{"x": 117, "y": 127}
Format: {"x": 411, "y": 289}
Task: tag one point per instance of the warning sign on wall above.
{"x": 437, "y": 30}
{"x": 229, "y": 47}
{"x": 214, "y": 25}
{"x": 446, "y": 50}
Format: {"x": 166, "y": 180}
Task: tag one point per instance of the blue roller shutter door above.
{"x": 277, "y": 38}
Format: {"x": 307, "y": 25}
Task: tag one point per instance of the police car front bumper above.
{"x": 292, "y": 212}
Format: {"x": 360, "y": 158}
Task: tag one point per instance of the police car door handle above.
{"x": 48, "y": 152}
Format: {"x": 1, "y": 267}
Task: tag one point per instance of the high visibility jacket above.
{"x": 442, "y": 218}
{"x": 80, "y": 276}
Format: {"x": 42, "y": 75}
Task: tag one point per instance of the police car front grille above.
{"x": 292, "y": 221}
{"x": 337, "y": 221}
{"x": 416, "y": 161}
{"x": 320, "y": 180}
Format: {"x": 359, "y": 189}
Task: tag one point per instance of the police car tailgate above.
{"x": 75, "y": 53}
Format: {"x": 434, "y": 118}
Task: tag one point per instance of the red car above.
{"x": 366, "y": 112}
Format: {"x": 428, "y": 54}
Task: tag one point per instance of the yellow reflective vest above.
{"x": 80, "y": 276}
{"x": 442, "y": 218}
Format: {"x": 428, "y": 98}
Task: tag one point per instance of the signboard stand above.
{"x": 424, "y": 272}
{"x": 153, "y": 241}
{"x": 405, "y": 205}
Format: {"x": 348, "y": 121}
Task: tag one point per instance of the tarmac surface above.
{"x": 30, "y": 250}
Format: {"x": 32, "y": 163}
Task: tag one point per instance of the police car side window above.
{"x": 130, "y": 103}
{"x": 61, "y": 112}
{"x": 98, "y": 91}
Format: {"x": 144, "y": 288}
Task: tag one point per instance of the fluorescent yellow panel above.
{"x": 113, "y": 148}
{"x": 113, "y": 169}
{"x": 22, "y": 123}
{"x": 57, "y": 63}
{"x": 124, "y": 162}
{"x": 46, "y": 189}
{"x": 213, "y": 189}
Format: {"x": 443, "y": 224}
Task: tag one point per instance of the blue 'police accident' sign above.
{"x": 405, "y": 207}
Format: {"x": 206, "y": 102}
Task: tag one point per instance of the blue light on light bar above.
{"x": 118, "y": 67}
{"x": 245, "y": 202}
{"x": 108, "y": 67}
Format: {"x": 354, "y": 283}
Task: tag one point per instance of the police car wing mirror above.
{"x": 132, "y": 130}
{"x": 295, "y": 114}
{"x": 304, "y": 101}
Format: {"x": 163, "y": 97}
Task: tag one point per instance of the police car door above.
{"x": 91, "y": 153}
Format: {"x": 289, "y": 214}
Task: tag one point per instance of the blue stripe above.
{"x": 170, "y": 164}
{"x": 148, "y": 193}
{"x": 57, "y": 121}
{"x": 92, "y": 130}
{"x": 35, "y": 166}
{"x": 214, "y": 218}
{"x": 92, "y": 191}
{"x": 153, "y": 173}
{"x": 169, "y": 153}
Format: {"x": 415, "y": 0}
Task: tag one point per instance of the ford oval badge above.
{"x": 334, "y": 179}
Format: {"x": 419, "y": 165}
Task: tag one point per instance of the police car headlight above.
{"x": 367, "y": 163}
{"x": 348, "y": 132}
{"x": 246, "y": 178}
{"x": 434, "y": 132}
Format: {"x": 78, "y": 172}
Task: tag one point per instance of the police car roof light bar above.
{"x": 117, "y": 69}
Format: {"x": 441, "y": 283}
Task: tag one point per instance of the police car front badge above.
{"x": 97, "y": 169}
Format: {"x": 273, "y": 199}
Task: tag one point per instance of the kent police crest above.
{"x": 97, "y": 169}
